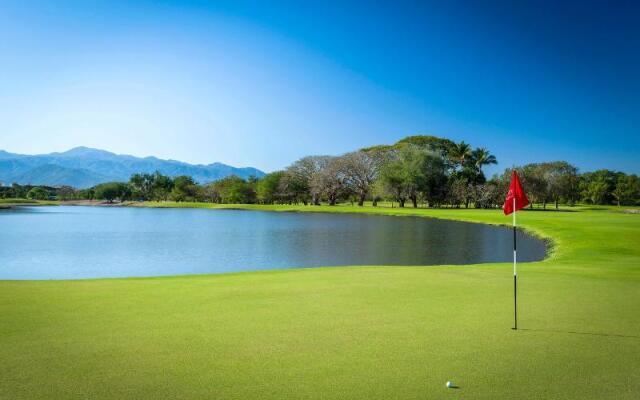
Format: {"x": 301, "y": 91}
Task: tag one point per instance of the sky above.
{"x": 264, "y": 83}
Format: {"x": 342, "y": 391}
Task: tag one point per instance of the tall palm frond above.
{"x": 481, "y": 157}
{"x": 461, "y": 153}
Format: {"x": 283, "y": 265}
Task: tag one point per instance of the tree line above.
{"x": 417, "y": 170}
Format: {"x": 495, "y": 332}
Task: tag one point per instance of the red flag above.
{"x": 515, "y": 192}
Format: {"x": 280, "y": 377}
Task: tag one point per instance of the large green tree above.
{"x": 38, "y": 193}
{"x": 141, "y": 186}
{"x": 329, "y": 182}
{"x": 111, "y": 191}
{"x": 161, "y": 187}
{"x": 561, "y": 180}
{"x": 360, "y": 170}
{"x": 268, "y": 188}
{"x": 235, "y": 190}
{"x": 413, "y": 171}
{"x": 300, "y": 182}
{"x": 597, "y": 187}
{"x": 184, "y": 188}
{"x": 627, "y": 191}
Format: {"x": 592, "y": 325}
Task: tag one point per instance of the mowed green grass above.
{"x": 345, "y": 333}
{"x": 17, "y": 202}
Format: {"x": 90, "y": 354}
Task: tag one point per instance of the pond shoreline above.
{"x": 193, "y": 241}
{"x": 453, "y": 214}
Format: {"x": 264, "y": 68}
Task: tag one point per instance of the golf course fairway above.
{"x": 345, "y": 332}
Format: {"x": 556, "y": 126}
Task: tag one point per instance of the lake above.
{"x": 75, "y": 242}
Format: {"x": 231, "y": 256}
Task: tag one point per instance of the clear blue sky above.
{"x": 264, "y": 83}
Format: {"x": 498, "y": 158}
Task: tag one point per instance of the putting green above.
{"x": 352, "y": 332}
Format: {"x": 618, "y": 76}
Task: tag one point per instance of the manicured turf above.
{"x": 6, "y": 203}
{"x": 345, "y": 333}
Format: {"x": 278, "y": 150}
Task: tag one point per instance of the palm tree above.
{"x": 482, "y": 157}
{"x": 461, "y": 153}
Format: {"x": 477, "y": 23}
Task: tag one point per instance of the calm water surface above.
{"x": 69, "y": 242}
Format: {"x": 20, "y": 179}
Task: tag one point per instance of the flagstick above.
{"x": 515, "y": 272}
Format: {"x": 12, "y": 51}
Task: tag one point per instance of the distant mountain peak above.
{"x": 83, "y": 151}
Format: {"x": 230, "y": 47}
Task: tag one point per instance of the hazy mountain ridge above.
{"x": 83, "y": 167}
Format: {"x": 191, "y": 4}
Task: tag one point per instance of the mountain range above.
{"x": 83, "y": 167}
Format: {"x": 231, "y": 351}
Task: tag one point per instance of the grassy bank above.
{"x": 357, "y": 333}
{"x": 8, "y": 203}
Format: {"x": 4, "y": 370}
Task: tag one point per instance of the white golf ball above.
{"x": 449, "y": 384}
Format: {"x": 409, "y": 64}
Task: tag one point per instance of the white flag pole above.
{"x": 515, "y": 271}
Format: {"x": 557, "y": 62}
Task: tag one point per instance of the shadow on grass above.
{"x": 550, "y": 210}
{"x": 581, "y": 333}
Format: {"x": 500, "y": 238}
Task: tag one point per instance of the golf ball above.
{"x": 449, "y": 384}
